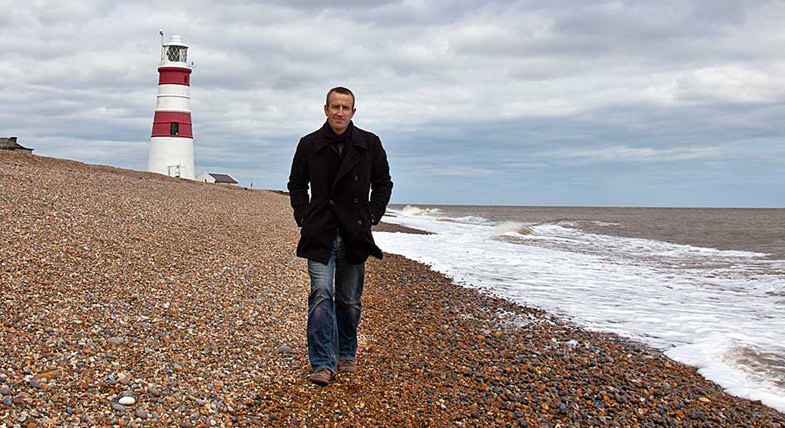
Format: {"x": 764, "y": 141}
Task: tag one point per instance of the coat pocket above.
{"x": 312, "y": 208}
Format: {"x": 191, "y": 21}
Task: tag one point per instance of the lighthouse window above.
{"x": 176, "y": 53}
{"x": 174, "y": 128}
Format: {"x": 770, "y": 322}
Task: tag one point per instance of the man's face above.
{"x": 339, "y": 110}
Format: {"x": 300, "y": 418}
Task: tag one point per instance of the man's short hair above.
{"x": 340, "y": 90}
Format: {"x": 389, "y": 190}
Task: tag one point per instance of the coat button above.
{"x": 356, "y": 200}
{"x": 331, "y": 202}
{"x": 356, "y": 178}
{"x": 359, "y": 222}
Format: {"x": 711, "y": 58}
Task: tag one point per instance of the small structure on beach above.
{"x": 209, "y": 177}
{"x": 10, "y": 143}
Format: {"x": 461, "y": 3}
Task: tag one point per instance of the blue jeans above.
{"x": 334, "y": 310}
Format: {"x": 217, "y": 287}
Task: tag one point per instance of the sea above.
{"x": 704, "y": 285}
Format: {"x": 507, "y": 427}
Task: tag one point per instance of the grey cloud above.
{"x": 338, "y": 6}
{"x": 562, "y": 101}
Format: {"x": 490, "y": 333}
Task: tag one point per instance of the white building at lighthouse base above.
{"x": 172, "y": 156}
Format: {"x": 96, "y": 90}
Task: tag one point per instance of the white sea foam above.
{"x": 410, "y": 210}
{"x": 716, "y": 357}
{"x": 700, "y": 305}
{"x": 470, "y": 219}
{"x": 604, "y": 223}
{"x": 510, "y": 227}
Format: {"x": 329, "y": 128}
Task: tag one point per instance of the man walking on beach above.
{"x": 343, "y": 165}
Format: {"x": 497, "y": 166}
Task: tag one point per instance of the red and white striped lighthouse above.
{"x": 172, "y": 142}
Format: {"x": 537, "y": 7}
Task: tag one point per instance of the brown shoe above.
{"x": 347, "y": 366}
{"x": 321, "y": 377}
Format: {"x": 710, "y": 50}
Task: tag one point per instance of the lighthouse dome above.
{"x": 176, "y": 41}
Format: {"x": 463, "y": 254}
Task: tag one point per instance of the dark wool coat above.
{"x": 339, "y": 199}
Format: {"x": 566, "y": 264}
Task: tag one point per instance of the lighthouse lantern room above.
{"x": 171, "y": 143}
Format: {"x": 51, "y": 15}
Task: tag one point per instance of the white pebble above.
{"x": 127, "y": 401}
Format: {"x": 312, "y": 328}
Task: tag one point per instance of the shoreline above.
{"x": 534, "y": 367}
{"x": 397, "y": 228}
{"x": 196, "y": 307}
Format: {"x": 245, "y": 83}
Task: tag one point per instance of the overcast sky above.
{"x": 622, "y": 103}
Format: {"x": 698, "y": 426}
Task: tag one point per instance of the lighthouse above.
{"x": 172, "y": 140}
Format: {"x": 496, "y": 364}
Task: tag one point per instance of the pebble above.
{"x": 286, "y": 350}
{"x": 117, "y": 340}
{"x": 206, "y": 278}
{"x": 127, "y": 401}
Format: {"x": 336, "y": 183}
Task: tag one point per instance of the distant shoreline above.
{"x": 654, "y": 207}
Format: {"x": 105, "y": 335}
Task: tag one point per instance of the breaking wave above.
{"x": 417, "y": 211}
{"x": 511, "y": 227}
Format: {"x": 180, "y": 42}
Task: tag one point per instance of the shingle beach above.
{"x": 132, "y": 299}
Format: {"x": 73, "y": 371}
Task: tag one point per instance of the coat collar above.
{"x": 356, "y": 142}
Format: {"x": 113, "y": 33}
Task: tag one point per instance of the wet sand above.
{"x": 188, "y": 297}
{"x": 390, "y": 227}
